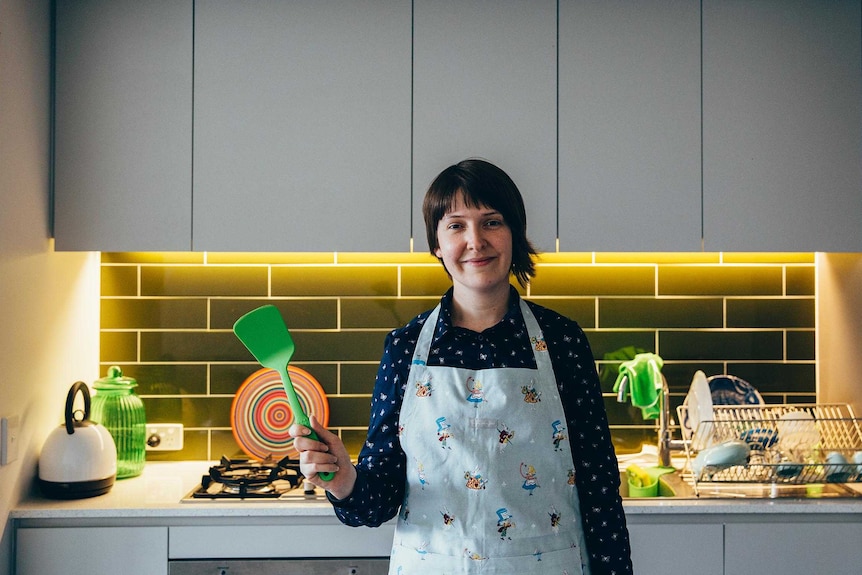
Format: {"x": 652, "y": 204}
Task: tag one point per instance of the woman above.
{"x": 488, "y": 435}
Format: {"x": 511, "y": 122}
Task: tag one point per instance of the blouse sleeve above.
{"x": 380, "y": 469}
{"x": 596, "y": 471}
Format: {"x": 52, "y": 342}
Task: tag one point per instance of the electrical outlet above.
{"x": 164, "y": 436}
{"x": 9, "y": 427}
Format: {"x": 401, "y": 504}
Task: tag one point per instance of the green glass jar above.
{"x": 116, "y": 406}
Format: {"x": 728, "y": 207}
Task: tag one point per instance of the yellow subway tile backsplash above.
{"x": 777, "y": 379}
{"x": 787, "y": 313}
{"x": 249, "y": 258}
{"x": 146, "y": 313}
{"x": 767, "y": 258}
{"x": 152, "y": 258}
{"x": 580, "y": 309}
{"x": 385, "y": 258}
{"x": 226, "y": 378}
{"x": 800, "y": 280}
{"x": 428, "y": 280}
{"x": 118, "y": 347}
{"x": 298, "y": 313}
{"x": 800, "y": 345}
{"x": 204, "y": 280}
{"x": 191, "y": 347}
{"x": 168, "y": 379}
{"x": 357, "y": 313}
{"x": 119, "y": 280}
{"x": 335, "y": 280}
{"x": 720, "y": 280}
{"x": 658, "y": 258}
{"x": 606, "y": 344}
{"x": 339, "y": 346}
{"x": 661, "y": 313}
{"x": 201, "y": 412}
{"x": 727, "y": 345}
{"x": 594, "y": 280}
{"x": 565, "y": 258}
{"x": 167, "y": 319}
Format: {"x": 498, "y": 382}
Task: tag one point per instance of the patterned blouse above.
{"x": 381, "y": 468}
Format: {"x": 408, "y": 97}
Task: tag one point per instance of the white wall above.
{"x": 48, "y": 301}
{"x": 839, "y": 329}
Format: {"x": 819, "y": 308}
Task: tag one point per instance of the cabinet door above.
{"x": 782, "y": 125}
{"x": 630, "y": 125}
{"x": 266, "y": 541}
{"x": 123, "y": 121}
{"x": 92, "y": 551}
{"x": 683, "y": 548}
{"x": 302, "y": 125}
{"x": 792, "y": 547}
{"x": 484, "y": 81}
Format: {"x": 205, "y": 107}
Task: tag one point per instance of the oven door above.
{"x": 336, "y": 566}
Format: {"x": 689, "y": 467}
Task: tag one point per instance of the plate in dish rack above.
{"x": 723, "y": 390}
{"x": 260, "y": 414}
{"x": 732, "y": 390}
{"x": 699, "y": 402}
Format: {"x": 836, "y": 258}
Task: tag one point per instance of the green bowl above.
{"x": 650, "y": 490}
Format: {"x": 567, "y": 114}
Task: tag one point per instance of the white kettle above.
{"x": 79, "y": 458}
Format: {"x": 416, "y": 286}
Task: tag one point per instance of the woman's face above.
{"x": 475, "y": 245}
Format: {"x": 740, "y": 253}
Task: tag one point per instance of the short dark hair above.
{"x": 482, "y": 184}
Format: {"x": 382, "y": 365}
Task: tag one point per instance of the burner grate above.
{"x": 248, "y": 479}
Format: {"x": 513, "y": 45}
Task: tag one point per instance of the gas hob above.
{"x": 254, "y": 481}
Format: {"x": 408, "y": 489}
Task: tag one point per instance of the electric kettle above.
{"x": 79, "y": 458}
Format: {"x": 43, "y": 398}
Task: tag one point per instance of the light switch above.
{"x": 9, "y": 427}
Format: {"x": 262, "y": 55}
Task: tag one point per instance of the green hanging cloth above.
{"x": 644, "y": 383}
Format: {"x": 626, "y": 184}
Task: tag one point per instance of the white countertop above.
{"x": 157, "y": 492}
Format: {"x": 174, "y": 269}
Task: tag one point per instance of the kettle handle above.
{"x": 70, "y": 402}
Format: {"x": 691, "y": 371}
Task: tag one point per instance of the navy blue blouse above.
{"x": 381, "y": 468}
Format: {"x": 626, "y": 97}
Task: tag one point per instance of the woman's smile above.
{"x": 479, "y": 261}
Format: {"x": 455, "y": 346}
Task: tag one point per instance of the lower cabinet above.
{"x": 286, "y": 540}
{"x": 658, "y": 549}
{"x": 787, "y": 548}
{"x": 92, "y": 551}
{"x": 726, "y": 544}
{"x": 705, "y": 544}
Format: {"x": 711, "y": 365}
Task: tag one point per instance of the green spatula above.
{"x": 265, "y": 334}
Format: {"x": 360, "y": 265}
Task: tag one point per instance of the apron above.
{"x": 490, "y": 476}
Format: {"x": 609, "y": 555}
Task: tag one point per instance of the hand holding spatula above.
{"x": 265, "y": 334}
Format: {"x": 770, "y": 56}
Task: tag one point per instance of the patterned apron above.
{"x": 495, "y": 493}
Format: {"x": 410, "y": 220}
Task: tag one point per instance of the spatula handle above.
{"x": 300, "y": 416}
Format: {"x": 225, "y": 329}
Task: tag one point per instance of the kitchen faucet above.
{"x": 666, "y": 443}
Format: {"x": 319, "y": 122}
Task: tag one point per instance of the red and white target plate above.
{"x": 260, "y": 414}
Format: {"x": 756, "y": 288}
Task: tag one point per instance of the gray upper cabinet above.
{"x": 782, "y": 125}
{"x": 123, "y": 119}
{"x": 264, "y": 125}
{"x": 485, "y": 86}
{"x": 302, "y": 125}
{"x": 629, "y": 107}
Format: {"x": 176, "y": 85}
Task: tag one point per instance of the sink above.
{"x": 669, "y": 485}
{"x": 674, "y": 486}
{"x": 775, "y": 491}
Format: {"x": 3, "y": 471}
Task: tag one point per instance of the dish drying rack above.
{"x": 785, "y": 449}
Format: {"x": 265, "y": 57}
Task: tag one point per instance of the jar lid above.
{"x": 115, "y": 379}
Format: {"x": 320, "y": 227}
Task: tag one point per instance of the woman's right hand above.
{"x": 327, "y": 453}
